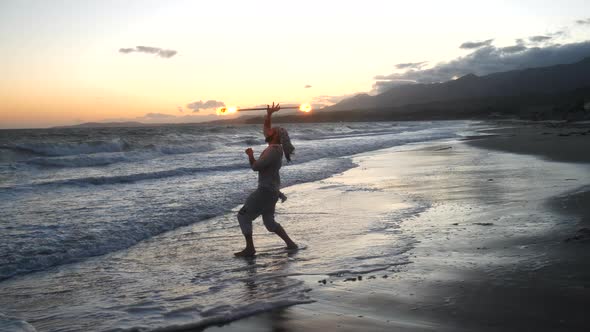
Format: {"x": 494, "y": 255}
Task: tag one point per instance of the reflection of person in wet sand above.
{"x": 263, "y": 200}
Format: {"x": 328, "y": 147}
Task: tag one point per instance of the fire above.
{"x": 226, "y": 110}
{"x": 306, "y": 108}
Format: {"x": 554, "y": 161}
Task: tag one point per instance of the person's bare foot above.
{"x": 292, "y": 246}
{"x": 245, "y": 253}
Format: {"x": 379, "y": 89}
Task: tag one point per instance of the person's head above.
{"x": 279, "y": 135}
{"x": 272, "y": 136}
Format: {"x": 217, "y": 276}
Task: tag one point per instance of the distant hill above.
{"x": 533, "y": 81}
{"x": 106, "y": 125}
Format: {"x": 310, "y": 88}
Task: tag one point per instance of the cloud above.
{"x": 411, "y": 65}
{"x": 474, "y": 45}
{"x": 539, "y": 39}
{"x": 201, "y": 105}
{"x": 584, "y": 21}
{"x": 384, "y": 83}
{"x": 180, "y": 109}
{"x": 149, "y": 50}
{"x": 487, "y": 60}
{"x": 513, "y": 49}
{"x": 307, "y": 86}
{"x": 558, "y": 33}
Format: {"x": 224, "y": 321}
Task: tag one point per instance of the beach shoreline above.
{"x": 433, "y": 234}
{"x": 516, "y": 259}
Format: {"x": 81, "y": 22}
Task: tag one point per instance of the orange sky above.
{"x": 61, "y": 62}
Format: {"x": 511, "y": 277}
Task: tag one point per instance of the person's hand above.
{"x": 271, "y": 109}
{"x": 249, "y": 152}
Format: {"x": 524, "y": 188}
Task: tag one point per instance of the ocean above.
{"x": 116, "y": 229}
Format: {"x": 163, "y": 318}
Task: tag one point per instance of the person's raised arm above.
{"x": 267, "y": 122}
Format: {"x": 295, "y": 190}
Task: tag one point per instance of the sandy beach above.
{"x": 502, "y": 245}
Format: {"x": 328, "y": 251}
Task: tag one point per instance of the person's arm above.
{"x": 267, "y": 122}
{"x": 266, "y": 158}
{"x": 251, "y": 158}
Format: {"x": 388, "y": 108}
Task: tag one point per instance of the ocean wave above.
{"x": 220, "y": 315}
{"x": 69, "y": 149}
{"x": 170, "y": 144}
{"x": 101, "y": 159}
{"x": 14, "y": 324}
{"x": 187, "y": 148}
{"x": 96, "y": 159}
{"x": 130, "y": 178}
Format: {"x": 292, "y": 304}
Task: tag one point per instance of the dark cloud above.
{"x": 514, "y": 48}
{"x": 204, "y": 105}
{"x": 411, "y": 65}
{"x": 307, "y": 86}
{"x": 539, "y": 39}
{"x": 474, "y": 45}
{"x": 487, "y": 60}
{"x": 584, "y": 22}
{"x": 383, "y": 83}
{"x": 150, "y": 50}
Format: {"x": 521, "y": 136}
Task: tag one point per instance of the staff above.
{"x": 306, "y": 108}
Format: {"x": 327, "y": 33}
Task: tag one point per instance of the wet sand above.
{"x": 502, "y": 246}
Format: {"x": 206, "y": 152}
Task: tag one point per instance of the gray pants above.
{"x": 260, "y": 202}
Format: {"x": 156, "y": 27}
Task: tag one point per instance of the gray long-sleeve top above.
{"x": 268, "y": 165}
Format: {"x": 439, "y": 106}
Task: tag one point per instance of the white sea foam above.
{"x": 13, "y": 324}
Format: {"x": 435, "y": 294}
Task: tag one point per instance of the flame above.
{"x": 306, "y": 108}
{"x": 226, "y": 110}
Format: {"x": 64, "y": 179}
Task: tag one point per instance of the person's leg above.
{"x": 268, "y": 217}
{"x": 246, "y": 227}
{"x": 280, "y": 231}
{"x": 249, "y": 251}
{"x": 246, "y": 215}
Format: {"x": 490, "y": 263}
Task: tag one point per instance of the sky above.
{"x": 65, "y": 62}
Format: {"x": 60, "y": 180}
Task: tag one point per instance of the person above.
{"x": 263, "y": 200}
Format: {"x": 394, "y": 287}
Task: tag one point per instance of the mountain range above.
{"x": 532, "y": 81}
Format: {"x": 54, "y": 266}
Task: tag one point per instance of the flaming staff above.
{"x": 305, "y": 108}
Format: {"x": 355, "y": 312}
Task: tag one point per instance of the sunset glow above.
{"x": 69, "y": 62}
{"x": 226, "y": 110}
{"x": 306, "y": 108}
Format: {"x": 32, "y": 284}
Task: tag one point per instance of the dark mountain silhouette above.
{"x": 533, "y": 81}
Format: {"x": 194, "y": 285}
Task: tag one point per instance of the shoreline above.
{"x": 520, "y": 263}
{"x": 553, "y": 141}
{"x": 433, "y": 236}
